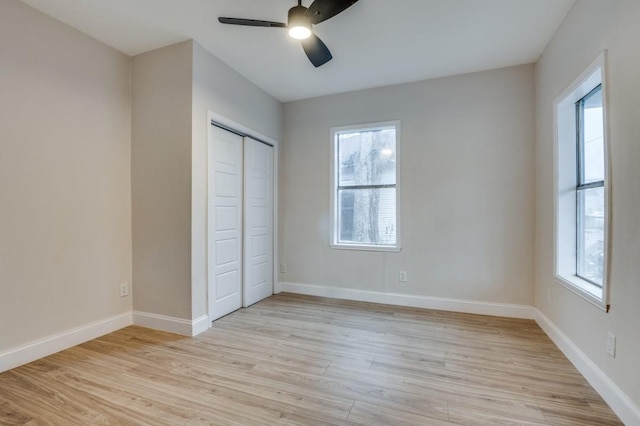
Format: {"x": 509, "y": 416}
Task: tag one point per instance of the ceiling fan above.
{"x": 300, "y": 21}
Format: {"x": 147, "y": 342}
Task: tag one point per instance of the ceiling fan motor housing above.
{"x": 297, "y": 17}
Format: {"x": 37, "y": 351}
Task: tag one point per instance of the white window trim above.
{"x": 333, "y": 229}
{"x": 564, "y": 192}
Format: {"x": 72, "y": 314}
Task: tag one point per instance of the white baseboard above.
{"x": 199, "y": 325}
{"x": 171, "y": 324}
{"x": 439, "y": 303}
{"x": 619, "y": 402}
{"x": 60, "y": 341}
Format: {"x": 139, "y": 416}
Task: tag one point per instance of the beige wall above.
{"x": 590, "y": 27}
{"x": 65, "y": 210}
{"x": 161, "y": 180}
{"x": 219, "y": 89}
{"x": 467, "y": 188}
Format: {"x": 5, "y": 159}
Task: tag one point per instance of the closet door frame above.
{"x": 217, "y": 118}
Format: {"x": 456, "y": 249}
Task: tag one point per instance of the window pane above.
{"x": 593, "y": 150}
{"x": 367, "y": 216}
{"x": 346, "y": 215}
{"x": 591, "y": 235}
{"x": 367, "y": 157}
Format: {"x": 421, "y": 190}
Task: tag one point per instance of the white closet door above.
{"x": 258, "y": 221}
{"x": 225, "y": 217}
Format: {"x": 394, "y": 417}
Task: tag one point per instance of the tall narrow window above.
{"x": 582, "y": 208}
{"x": 590, "y": 189}
{"x": 365, "y": 187}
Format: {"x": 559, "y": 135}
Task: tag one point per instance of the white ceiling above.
{"x": 374, "y": 42}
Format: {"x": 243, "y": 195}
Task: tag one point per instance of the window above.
{"x": 581, "y": 222}
{"x": 365, "y": 187}
{"x": 590, "y": 188}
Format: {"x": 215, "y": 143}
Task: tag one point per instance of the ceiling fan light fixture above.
{"x": 298, "y": 24}
{"x": 299, "y": 32}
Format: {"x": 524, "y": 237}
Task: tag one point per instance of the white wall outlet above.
{"x": 124, "y": 289}
{"x": 283, "y": 268}
{"x": 403, "y": 276}
{"x": 611, "y": 345}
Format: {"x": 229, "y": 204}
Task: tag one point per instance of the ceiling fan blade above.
{"x": 317, "y": 52}
{"x": 251, "y": 22}
{"x": 321, "y": 10}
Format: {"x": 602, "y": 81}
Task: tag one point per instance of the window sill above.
{"x": 588, "y": 291}
{"x": 395, "y": 249}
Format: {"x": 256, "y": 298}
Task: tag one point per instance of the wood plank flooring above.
{"x": 298, "y": 360}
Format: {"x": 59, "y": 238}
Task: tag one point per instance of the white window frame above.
{"x": 565, "y": 184}
{"x": 334, "y": 189}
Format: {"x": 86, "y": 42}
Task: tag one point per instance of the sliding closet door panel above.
{"x": 225, "y": 239}
{"x": 258, "y": 220}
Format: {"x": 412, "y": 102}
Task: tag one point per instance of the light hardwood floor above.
{"x": 297, "y": 360}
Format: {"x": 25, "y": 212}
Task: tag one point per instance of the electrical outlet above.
{"x": 283, "y": 268}
{"x": 124, "y": 289}
{"x": 403, "y": 276}
{"x": 611, "y": 345}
